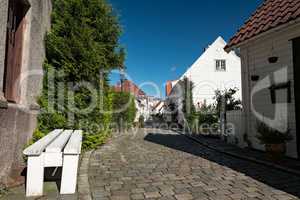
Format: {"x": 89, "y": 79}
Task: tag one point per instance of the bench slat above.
{"x": 38, "y": 147}
{"x": 59, "y": 143}
{"x": 74, "y": 145}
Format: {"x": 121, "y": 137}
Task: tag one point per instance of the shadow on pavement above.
{"x": 277, "y": 179}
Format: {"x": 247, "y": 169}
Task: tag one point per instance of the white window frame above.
{"x": 220, "y": 65}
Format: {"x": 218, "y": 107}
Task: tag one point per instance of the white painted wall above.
{"x": 205, "y": 77}
{"x": 254, "y": 56}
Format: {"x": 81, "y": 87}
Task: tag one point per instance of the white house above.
{"x": 214, "y": 70}
{"x": 270, "y": 52}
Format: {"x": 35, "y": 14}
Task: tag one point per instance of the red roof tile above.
{"x": 270, "y": 14}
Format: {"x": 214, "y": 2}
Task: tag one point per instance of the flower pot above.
{"x": 275, "y": 152}
{"x": 273, "y": 59}
{"x": 254, "y": 78}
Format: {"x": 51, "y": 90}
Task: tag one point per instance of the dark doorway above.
{"x": 296, "y": 56}
{"x": 14, "y": 46}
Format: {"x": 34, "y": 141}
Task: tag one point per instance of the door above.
{"x": 296, "y": 57}
{"x": 14, "y": 48}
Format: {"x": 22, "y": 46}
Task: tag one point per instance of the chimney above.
{"x": 168, "y": 88}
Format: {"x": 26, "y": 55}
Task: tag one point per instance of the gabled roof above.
{"x": 271, "y": 14}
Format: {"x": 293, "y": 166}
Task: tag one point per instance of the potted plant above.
{"x": 254, "y": 78}
{"x": 273, "y": 59}
{"x": 141, "y": 121}
{"x": 274, "y": 141}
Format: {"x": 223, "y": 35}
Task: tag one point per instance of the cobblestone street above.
{"x": 157, "y": 164}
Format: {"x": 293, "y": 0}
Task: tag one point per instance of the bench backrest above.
{"x": 67, "y": 141}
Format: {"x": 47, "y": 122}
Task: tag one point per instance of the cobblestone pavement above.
{"x": 157, "y": 164}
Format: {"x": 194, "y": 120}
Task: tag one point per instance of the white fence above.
{"x": 235, "y": 127}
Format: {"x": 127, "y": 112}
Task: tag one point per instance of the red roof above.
{"x": 269, "y": 15}
{"x": 130, "y": 87}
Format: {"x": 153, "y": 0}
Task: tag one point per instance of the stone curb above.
{"x": 268, "y": 164}
{"x": 84, "y": 192}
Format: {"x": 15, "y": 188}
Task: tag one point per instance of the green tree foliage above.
{"x": 124, "y": 104}
{"x": 82, "y": 47}
{"x": 141, "y": 121}
{"x": 188, "y": 107}
{"x": 226, "y": 98}
{"x": 207, "y": 115}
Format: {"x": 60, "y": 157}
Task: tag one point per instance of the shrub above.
{"x": 227, "y": 97}
{"x": 141, "y": 121}
{"x": 124, "y": 103}
{"x": 3, "y": 190}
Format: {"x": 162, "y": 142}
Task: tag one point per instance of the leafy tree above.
{"x": 82, "y": 46}
{"x": 227, "y": 98}
{"x": 188, "y": 107}
{"x": 124, "y": 104}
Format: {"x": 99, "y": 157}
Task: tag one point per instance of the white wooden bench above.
{"x": 60, "y": 148}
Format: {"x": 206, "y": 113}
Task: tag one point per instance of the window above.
{"x": 220, "y": 65}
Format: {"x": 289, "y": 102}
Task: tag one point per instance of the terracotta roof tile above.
{"x": 270, "y": 14}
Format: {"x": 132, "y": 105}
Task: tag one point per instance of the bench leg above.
{"x": 35, "y": 176}
{"x": 69, "y": 174}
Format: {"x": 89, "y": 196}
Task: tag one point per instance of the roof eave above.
{"x": 292, "y": 23}
{"x": 230, "y": 48}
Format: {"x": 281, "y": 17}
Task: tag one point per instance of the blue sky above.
{"x": 164, "y": 37}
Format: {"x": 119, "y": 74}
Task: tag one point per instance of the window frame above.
{"x": 220, "y": 65}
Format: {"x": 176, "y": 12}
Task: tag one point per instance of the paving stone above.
{"x": 167, "y": 192}
{"x": 184, "y": 197}
{"x": 138, "y": 190}
{"x": 137, "y": 196}
{"x": 120, "y": 198}
{"x": 152, "y": 195}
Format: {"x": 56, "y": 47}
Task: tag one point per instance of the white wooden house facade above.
{"x": 280, "y": 41}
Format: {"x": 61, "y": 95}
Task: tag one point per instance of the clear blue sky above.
{"x": 164, "y": 37}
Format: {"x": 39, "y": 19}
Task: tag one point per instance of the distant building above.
{"x": 143, "y": 102}
{"x": 169, "y": 86}
{"x": 158, "y": 108}
{"x": 129, "y": 86}
{"x": 269, "y": 45}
